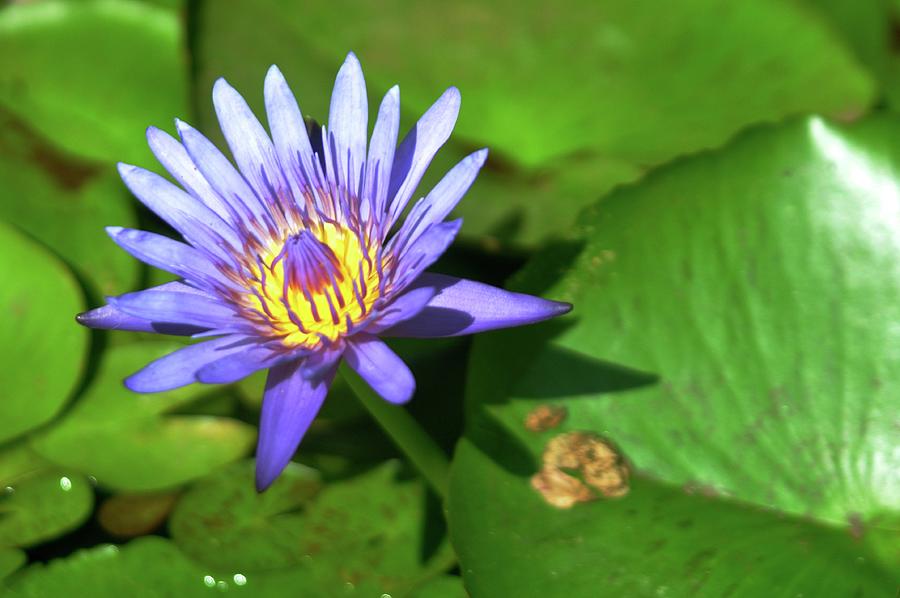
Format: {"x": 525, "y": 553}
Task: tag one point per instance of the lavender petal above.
{"x": 464, "y": 306}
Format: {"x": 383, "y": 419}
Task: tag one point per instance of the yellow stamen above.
{"x": 304, "y": 315}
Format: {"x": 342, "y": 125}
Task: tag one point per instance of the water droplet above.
{"x": 9, "y": 490}
{"x": 65, "y": 483}
{"x": 240, "y": 579}
{"x": 209, "y": 581}
{"x": 222, "y": 586}
{"x": 92, "y": 480}
{"x": 349, "y": 587}
{"x": 385, "y": 596}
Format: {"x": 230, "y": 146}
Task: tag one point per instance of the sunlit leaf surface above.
{"x": 735, "y": 338}
{"x": 90, "y": 76}
{"x": 572, "y": 101}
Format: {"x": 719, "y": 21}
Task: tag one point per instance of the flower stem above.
{"x": 405, "y": 432}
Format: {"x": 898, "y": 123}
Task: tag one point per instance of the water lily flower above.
{"x": 297, "y": 258}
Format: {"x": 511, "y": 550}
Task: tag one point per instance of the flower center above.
{"x": 314, "y": 286}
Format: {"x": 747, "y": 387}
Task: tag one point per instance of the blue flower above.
{"x": 296, "y": 259}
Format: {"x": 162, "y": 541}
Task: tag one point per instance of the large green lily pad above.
{"x": 571, "y": 101}
{"x": 733, "y": 334}
{"x": 47, "y": 349}
{"x": 91, "y": 76}
{"x": 126, "y": 440}
{"x": 364, "y": 533}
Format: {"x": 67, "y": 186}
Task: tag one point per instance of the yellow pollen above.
{"x": 304, "y": 315}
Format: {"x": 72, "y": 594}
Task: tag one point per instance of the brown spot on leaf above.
{"x": 560, "y": 489}
{"x": 579, "y": 467}
{"x": 545, "y": 417}
{"x": 857, "y": 529}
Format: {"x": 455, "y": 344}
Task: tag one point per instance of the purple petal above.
{"x": 290, "y": 404}
{"x": 418, "y": 148}
{"x": 288, "y": 131}
{"x": 434, "y": 207}
{"x": 465, "y": 307}
{"x": 222, "y": 176}
{"x": 348, "y": 120}
{"x": 249, "y": 143}
{"x": 237, "y": 366}
{"x": 201, "y": 310}
{"x": 174, "y": 158}
{"x": 199, "y": 225}
{"x": 424, "y": 252}
{"x": 381, "y": 368}
{"x": 381, "y": 154}
{"x": 401, "y": 308}
{"x": 169, "y": 255}
{"x": 180, "y": 368}
{"x": 110, "y": 317}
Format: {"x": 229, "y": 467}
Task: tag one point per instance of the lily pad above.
{"x": 43, "y": 506}
{"x": 556, "y": 145}
{"x": 148, "y": 566}
{"x": 733, "y": 336}
{"x": 153, "y": 567}
{"x": 90, "y": 76}
{"x": 65, "y": 204}
{"x": 38, "y": 501}
{"x": 11, "y": 559}
{"x": 225, "y": 523}
{"x": 43, "y": 370}
{"x": 363, "y": 533}
{"x": 126, "y": 440}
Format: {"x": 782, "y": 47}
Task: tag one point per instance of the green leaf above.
{"x": 364, "y": 532}
{"x": 148, "y": 566}
{"x": 658, "y": 541}
{"x": 124, "y": 440}
{"x": 11, "y": 559}
{"x": 90, "y": 76}
{"x": 153, "y": 567}
{"x": 731, "y": 333}
{"x": 445, "y": 586}
{"x": 224, "y": 522}
{"x": 43, "y": 506}
{"x": 46, "y": 349}
{"x": 571, "y": 103}
{"x": 37, "y": 503}
{"x": 66, "y": 205}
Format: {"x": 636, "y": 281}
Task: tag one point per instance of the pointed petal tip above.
{"x": 452, "y": 95}
{"x": 83, "y": 318}
{"x": 273, "y": 76}
{"x": 183, "y": 128}
{"x": 113, "y": 231}
{"x": 351, "y": 58}
{"x": 264, "y": 479}
{"x": 561, "y": 308}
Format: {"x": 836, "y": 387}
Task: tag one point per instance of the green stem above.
{"x": 406, "y": 433}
